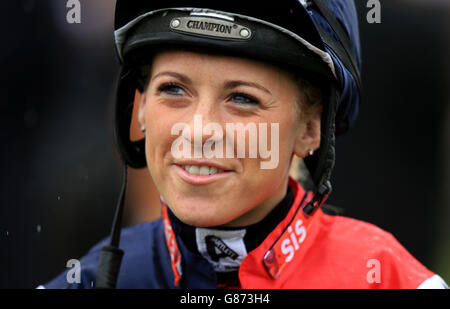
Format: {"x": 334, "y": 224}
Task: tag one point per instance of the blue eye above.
{"x": 171, "y": 89}
{"x": 244, "y": 99}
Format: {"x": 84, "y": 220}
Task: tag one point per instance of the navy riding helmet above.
{"x": 319, "y": 37}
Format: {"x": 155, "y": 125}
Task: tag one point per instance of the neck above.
{"x": 225, "y": 246}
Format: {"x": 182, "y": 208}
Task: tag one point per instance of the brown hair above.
{"x": 310, "y": 95}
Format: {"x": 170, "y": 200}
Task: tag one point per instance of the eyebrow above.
{"x": 179, "y": 76}
{"x": 228, "y": 85}
{"x": 236, "y": 83}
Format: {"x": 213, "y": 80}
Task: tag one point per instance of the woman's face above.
{"x": 202, "y": 172}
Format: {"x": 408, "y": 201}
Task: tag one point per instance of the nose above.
{"x": 204, "y": 125}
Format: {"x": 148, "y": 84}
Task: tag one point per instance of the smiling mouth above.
{"x": 202, "y": 170}
{"x": 201, "y": 173}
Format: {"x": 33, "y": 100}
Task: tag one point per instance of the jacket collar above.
{"x": 271, "y": 257}
{"x": 279, "y": 257}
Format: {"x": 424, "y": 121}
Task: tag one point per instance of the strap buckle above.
{"x": 319, "y": 198}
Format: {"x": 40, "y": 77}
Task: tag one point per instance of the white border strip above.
{"x": 434, "y": 282}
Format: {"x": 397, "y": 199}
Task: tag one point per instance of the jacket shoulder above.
{"x": 365, "y": 256}
{"x": 138, "y": 243}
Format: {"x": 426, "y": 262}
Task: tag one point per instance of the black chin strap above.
{"x": 111, "y": 255}
{"x": 132, "y": 153}
{"x": 321, "y": 164}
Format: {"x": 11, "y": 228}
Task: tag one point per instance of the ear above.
{"x": 308, "y": 136}
{"x": 139, "y": 101}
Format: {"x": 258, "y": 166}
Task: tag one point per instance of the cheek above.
{"x": 288, "y": 134}
{"x": 158, "y": 135}
{"x": 288, "y": 127}
{"x": 280, "y": 148}
{"x": 159, "y": 120}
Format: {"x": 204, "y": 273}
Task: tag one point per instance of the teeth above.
{"x": 194, "y": 170}
{"x": 202, "y": 171}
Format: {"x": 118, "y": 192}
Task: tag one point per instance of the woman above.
{"x": 229, "y": 96}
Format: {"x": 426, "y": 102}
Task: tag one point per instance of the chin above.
{"x": 200, "y": 220}
{"x": 200, "y": 214}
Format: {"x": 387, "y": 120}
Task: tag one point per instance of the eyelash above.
{"x": 249, "y": 100}
{"x": 167, "y": 87}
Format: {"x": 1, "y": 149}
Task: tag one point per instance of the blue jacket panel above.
{"x": 145, "y": 265}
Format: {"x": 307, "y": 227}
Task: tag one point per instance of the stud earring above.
{"x": 143, "y": 129}
{"x": 311, "y": 152}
